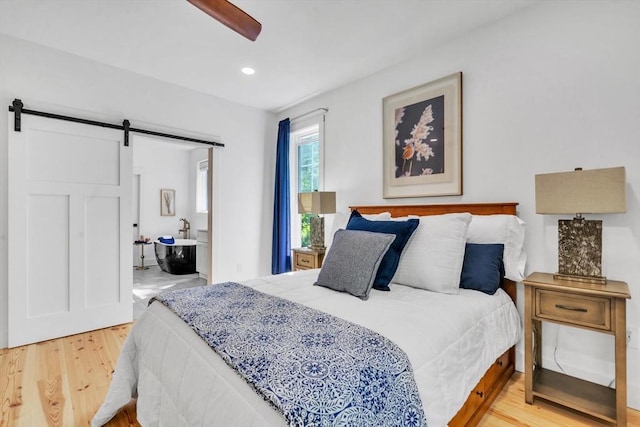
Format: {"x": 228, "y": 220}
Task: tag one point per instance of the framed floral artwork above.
{"x": 167, "y": 202}
{"x": 422, "y": 140}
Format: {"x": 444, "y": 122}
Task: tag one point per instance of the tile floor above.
{"x": 148, "y": 283}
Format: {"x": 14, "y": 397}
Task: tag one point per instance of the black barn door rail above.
{"x": 17, "y": 107}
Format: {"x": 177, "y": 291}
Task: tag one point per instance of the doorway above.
{"x": 159, "y": 165}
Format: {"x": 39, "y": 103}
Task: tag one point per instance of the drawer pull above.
{"x": 568, "y": 307}
{"x": 500, "y": 363}
{"x": 304, "y": 261}
{"x": 479, "y": 393}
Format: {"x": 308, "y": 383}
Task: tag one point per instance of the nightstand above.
{"x": 306, "y": 258}
{"x": 595, "y": 307}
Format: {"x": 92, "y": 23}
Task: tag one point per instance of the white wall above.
{"x": 49, "y": 80}
{"x": 551, "y": 88}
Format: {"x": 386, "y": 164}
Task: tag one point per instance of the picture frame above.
{"x": 422, "y": 140}
{"x": 167, "y": 202}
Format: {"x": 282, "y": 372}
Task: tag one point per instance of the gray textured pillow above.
{"x": 353, "y": 260}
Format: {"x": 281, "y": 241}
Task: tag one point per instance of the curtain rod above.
{"x": 326, "y": 110}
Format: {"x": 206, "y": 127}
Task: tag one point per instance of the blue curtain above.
{"x": 281, "y": 244}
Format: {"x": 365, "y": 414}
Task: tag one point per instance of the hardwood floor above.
{"x": 509, "y": 409}
{"x": 62, "y": 382}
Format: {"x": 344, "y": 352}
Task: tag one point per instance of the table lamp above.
{"x": 316, "y": 203}
{"x": 595, "y": 191}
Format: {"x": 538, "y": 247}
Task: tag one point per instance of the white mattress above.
{"x": 451, "y": 340}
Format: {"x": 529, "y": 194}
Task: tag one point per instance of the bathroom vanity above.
{"x": 201, "y": 253}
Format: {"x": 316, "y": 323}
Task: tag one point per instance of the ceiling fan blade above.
{"x": 231, "y": 16}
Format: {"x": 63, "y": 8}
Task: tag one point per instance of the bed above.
{"x": 459, "y": 368}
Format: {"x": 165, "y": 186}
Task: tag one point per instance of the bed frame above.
{"x": 490, "y": 385}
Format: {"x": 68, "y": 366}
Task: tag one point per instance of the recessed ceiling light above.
{"x": 248, "y": 71}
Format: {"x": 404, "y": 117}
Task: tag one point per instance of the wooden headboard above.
{"x": 422, "y": 210}
{"x": 508, "y": 208}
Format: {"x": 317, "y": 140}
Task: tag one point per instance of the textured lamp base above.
{"x": 317, "y": 233}
{"x": 580, "y": 250}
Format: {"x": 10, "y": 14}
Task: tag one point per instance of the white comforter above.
{"x": 451, "y": 340}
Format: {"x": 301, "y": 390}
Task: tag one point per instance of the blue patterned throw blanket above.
{"x": 315, "y": 368}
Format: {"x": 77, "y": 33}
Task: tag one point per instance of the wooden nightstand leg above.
{"x": 528, "y": 345}
{"x": 537, "y": 343}
{"x": 621, "y": 361}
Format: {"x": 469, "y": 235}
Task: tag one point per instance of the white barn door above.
{"x": 69, "y": 236}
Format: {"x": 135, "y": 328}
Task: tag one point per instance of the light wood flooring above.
{"x": 62, "y": 382}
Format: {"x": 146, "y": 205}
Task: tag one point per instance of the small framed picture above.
{"x": 167, "y": 202}
{"x": 422, "y": 140}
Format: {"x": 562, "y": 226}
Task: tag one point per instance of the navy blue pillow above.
{"x": 402, "y": 229}
{"x": 482, "y": 268}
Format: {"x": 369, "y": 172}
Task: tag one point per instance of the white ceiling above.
{"x": 306, "y": 47}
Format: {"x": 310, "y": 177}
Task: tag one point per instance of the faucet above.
{"x": 185, "y": 228}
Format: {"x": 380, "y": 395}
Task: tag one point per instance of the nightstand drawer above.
{"x": 580, "y": 310}
{"x": 307, "y": 258}
{"x": 304, "y": 261}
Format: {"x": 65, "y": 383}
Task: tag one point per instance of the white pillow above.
{"x": 432, "y": 259}
{"x": 505, "y": 229}
{"x": 341, "y": 218}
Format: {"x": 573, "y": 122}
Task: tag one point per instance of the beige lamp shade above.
{"x": 582, "y": 191}
{"x": 317, "y": 202}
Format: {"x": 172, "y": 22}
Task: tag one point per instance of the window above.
{"x": 306, "y": 160}
{"x": 308, "y": 175}
{"x": 202, "y": 187}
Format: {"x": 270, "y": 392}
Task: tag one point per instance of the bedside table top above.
{"x": 612, "y": 288}
{"x": 309, "y": 250}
